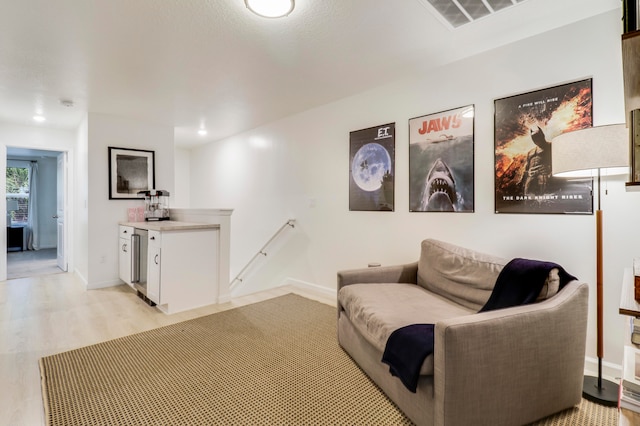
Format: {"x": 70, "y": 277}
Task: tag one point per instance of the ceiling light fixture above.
{"x": 202, "y": 132}
{"x": 39, "y": 118}
{"x": 270, "y": 8}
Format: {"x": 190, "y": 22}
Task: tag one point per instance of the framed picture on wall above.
{"x": 372, "y": 168}
{"x": 525, "y": 124}
{"x": 130, "y": 171}
{"x": 441, "y": 175}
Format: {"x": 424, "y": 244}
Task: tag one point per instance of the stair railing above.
{"x": 262, "y": 252}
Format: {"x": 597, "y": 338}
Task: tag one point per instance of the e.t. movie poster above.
{"x": 441, "y": 161}
{"x": 372, "y": 168}
{"x": 524, "y": 127}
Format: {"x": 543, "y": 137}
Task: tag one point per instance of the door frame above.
{"x": 62, "y": 157}
{"x": 68, "y": 196}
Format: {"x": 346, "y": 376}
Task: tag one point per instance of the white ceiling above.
{"x": 192, "y": 63}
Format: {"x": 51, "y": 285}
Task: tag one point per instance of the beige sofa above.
{"x": 509, "y": 366}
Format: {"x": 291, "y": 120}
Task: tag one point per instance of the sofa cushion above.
{"x": 551, "y": 285}
{"x": 376, "y": 310}
{"x": 459, "y": 274}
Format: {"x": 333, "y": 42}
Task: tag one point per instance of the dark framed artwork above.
{"x": 441, "y": 164}
{"x": 372, "y": 168}
{"x": 130, "y": 171}
{"x": 525, "y": 124}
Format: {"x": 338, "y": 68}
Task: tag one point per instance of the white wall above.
{"x": 104, "y": 214}
{"x": 181, "y": 197}
{"x": 298, "y": 167}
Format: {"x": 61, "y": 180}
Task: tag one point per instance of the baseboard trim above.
{"x": 610, "y": 371}
{"x": 329, "y": 292}
{"x": 104, "y": 284}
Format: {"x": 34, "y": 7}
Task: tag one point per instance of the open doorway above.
{"x": 35, "y": 212}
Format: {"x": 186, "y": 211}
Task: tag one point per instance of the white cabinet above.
{"x": 124, "y": 254}
{"x": 153, "y": 267}
{"x": 183, "y": 266}
{"x": 182, "y": 263}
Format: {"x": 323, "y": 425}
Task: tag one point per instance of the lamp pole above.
{"x": 596, "y": 389}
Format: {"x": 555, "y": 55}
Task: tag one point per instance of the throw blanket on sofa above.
{"x": 519, "y": 283}
{"x": 406, "y": 350}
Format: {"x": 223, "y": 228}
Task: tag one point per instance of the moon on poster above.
{"x": 369, "y": 165}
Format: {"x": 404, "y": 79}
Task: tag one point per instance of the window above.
{"x": 18, "y": 194}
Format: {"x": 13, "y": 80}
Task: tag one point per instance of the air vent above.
{"x": 460, "y": 12}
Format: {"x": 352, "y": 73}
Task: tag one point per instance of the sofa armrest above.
{"x": 512, "y": 366}
{"x": 407, "y": 273}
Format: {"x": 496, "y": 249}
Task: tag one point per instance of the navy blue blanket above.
{"x": 519, "y": 283}
{"x": 406, "y": 350}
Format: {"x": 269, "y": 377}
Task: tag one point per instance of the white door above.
{"x": 60, "y": 209}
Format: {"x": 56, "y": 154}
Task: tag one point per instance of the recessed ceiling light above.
{"x": 39, "y": 118}
{"x": 202, "y": 132}
{"x": 270, "y": 8}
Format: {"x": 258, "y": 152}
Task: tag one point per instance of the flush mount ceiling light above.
{"x": 39, "y": 118}
{"x": 270, "y": 8}
{"x": 202, "y": 132}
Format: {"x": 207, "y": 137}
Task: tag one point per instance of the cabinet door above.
{"x": 124, "y": 260}
{"x": 153, "y": 274}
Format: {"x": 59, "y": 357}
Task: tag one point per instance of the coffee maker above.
{"x": 156, "y": 204}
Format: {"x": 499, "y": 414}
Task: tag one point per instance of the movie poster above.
{"x": 524, "y": 127}
{"x": 372, "y": 168}
{"x": 441, "y": 161}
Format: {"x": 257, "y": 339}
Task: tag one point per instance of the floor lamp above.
{"x": 592, "y": 152}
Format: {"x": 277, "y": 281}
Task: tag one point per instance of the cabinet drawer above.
{"x": 155, "y": 238}
{"x": 126, "y": 231}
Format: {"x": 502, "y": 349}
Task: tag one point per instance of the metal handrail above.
{"x": 261, "y": 252}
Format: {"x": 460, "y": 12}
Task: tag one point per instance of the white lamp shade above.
{"x": 582, "y": 153}
{"x": 270, "y": 8}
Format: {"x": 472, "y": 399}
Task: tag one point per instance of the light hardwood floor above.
{"x": 48, "y": 314}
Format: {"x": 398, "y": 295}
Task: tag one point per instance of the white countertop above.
{"x": 170, "y": 225}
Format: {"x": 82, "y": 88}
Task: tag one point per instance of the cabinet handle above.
{"x": 155, "y": 259}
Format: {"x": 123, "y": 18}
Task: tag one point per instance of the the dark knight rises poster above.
{"x": 524, "y": 127}
{"x": 372, "y": 168}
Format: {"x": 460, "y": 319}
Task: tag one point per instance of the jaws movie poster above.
{"x": 441, "y": 161}
{"x": 524, "y": 127}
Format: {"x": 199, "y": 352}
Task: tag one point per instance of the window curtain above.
{"x": 32, "y": 237}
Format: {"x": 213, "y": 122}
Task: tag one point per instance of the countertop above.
{"x": 170, "y": 225}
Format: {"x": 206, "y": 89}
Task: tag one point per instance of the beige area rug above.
{"x": 273, "y": 362}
